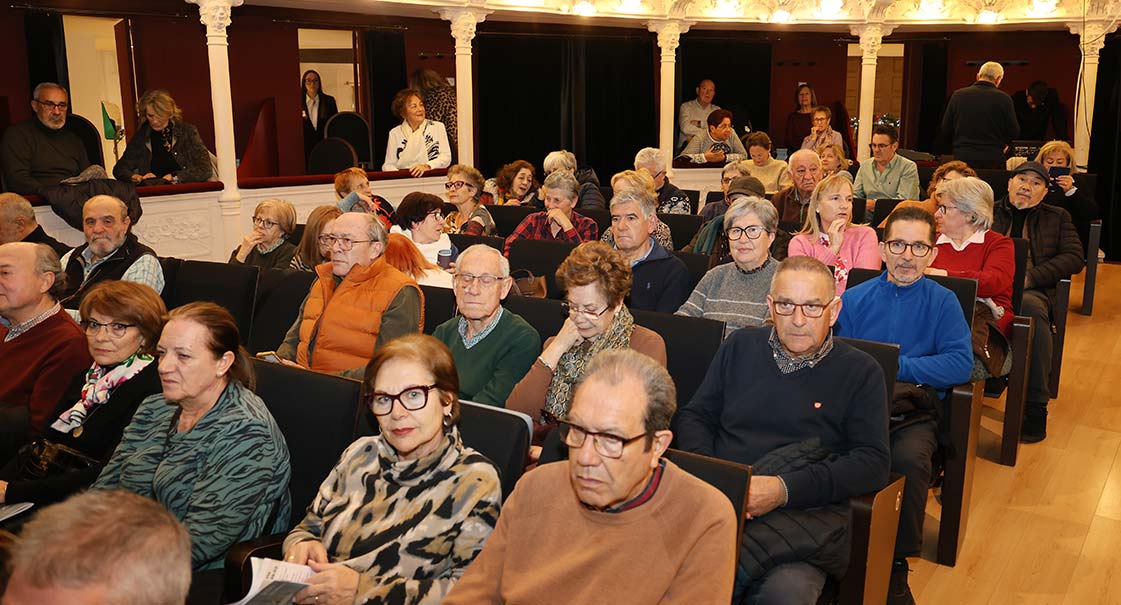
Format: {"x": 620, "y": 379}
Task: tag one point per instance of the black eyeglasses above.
{"x": 570, "y": 310}
{"x": 752, "y": 232}
{"x": 918, "y": 249}
{"x": 608, "y": 445}
{"x": 264, "y": 222}
{"x": 116, "y": 329}
{"x": 412, "y": 399}
{"x": 467, "y": 280}
{"x": 345, "y": 243}
{"x": 456, "y": 185}
{"x": 52, "y": 106}
{"x": 811, "y": 310}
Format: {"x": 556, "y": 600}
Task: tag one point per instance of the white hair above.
{"x": 559, "y": 160}
{"x": 991, "y": 71}
{"x": 808, "y": 155}
{"x": 645, "y": 202}
{"x": 476, "y": 249}
{"x": 649, "y": 156}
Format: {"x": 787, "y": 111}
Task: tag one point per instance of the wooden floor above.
{"x": 1048, "y": 530}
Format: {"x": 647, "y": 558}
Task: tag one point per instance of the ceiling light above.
{"x": 1043, "y": 8}
{"x": 631, "y": 6}
{"x": 726, "y": 8}
{"x": 988, "y": 17}
{"x": 931, "y": 9}
{"x": 780, "y": 16}
{"x": 830, "y": 8}
{"x": 584, "y": 8}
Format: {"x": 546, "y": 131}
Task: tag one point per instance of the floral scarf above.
{"x": 100, "y": 384}
{"x": 571, "y": 365}
{"x": 825, "y": 137}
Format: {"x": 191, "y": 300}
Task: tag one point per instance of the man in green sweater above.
{"x": 492, "y": 347}
{"x": 39, "y": 152}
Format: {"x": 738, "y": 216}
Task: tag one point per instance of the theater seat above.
{"x": 462, "y": 241}
{"x": 354, "y": 129}
{"x": 507, "y": 218}
{"x": 499, "y": 434}
{"x": 542, "y": 258}
{"x": 682, "y": 227}
{"x": 439, "y": 306}
{"x": 231, "y": 286}
{"x": 331, "y": 155}
{"x": 279, "y": 295}
{"x": 691, "y": 343}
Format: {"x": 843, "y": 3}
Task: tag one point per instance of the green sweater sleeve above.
{"x": 521, "y": 346}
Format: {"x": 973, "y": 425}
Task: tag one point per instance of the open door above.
{"x": 126, "y": 68}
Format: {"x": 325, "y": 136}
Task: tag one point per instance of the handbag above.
{"x": 42, "y": 458}
{"x": 528, "y": 284}
{"x": 990, "y": 345}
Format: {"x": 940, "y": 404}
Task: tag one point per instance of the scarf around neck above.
{"x": 825, "y": 137}
{"x": 100, "y": 384}
{"x": 413, "y": 472}
{"x": 571, "y": 365}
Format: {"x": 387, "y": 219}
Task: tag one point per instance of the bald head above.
{"x": 17, "y": 218}
{"x": 105, "y": 223}
{"x": 31, "y": 280}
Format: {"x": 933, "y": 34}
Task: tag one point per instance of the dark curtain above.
{"x": 385, "y": 58}
{"x": 933, "y": 95}
{"x": 741, "y": 70}
{"x": 46, "y": 48}
{"x": 1105, "y": 143}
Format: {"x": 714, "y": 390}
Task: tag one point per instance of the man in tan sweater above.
{"x": 616, "y": 523}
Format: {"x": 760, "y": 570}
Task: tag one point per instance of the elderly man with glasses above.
{"x": 935, "y": 353}
{"x": 38, "y": 152}
{"x": 358, "y": 303}
{"x": 493, "y": 348}
{"x": 809, "y": 413}
{"x": 617, "y": 523}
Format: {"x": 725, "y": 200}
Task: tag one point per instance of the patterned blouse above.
{"x": 225, "y": 479}
{"x": 409, "y": 527}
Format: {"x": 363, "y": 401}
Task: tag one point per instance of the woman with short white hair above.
{"x": 589, "y": 195}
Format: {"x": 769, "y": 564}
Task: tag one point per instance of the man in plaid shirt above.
{"x": 558, "y": 222}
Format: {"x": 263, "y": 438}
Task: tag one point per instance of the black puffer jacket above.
{"x": 1054, "y": 250}
{"x": 819, "y": 536}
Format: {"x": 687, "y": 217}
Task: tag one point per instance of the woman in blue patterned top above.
{"x": 207, "y": 449}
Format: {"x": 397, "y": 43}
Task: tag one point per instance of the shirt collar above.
{"x": 646, "y": 494}
{"x": 978, "y": 237}
{"x": 787, "y": 364}
{"x": 274, "y": 246}
{"x": 474, "y": 340}
{"x": 644, "y": 256}
{"x": 19, "y": 329}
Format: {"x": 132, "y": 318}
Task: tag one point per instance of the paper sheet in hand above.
{"x": 11, "y": 510}
{"x": 275, "y": 582}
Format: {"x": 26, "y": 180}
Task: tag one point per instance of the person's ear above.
{"x": 835, "y": 310}
{"x": 225, "y": 362}
{"x": 883, "y": 250}
{"x": 662, "y": 440}
{"x": 507, "y": 283}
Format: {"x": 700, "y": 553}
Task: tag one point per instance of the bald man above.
{"x": 980, "y": 120}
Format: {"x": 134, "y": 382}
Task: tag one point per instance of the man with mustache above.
{"x": 935, "y": 350}
{"x": 1054, "y": 253}
{"x": 39, "y": 152}
{"x": 616, "y": 523}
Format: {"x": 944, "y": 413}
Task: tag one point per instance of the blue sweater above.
{"x": 924, "y": 319}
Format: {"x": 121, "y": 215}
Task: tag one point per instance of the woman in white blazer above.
{"x": 417, "y": 145}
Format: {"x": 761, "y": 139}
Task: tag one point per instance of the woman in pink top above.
{"x": 829, "y": 235}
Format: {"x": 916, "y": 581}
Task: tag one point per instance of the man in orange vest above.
{"x": 358, "y": 303}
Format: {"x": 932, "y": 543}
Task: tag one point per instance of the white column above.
{"x": 463, "y": 23}
{"x": 871, "y": 38}
{"x": 669, "y": 37}
{"x": 215, "y": 15}
{"x": 1091, "y": 39}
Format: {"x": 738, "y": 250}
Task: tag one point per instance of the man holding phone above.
{"x": 980, "y": 120}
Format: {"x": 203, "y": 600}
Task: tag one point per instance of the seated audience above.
{"x": 949, "y": 171}
{"x": 38, "y": 152}
{"x": 710, "y": 210}
{"x": 558, "y": 222}
{"x": 829, "y": 235}
{"x": 358, "y": 303}
{"x": 886, "y": 175}
{"x": 164, "y": 149}
{"x": 809, "y": 413}
{"x": 42, "y": 348}
{"x": 638, "y": 181}
{"x": 969, "y": 248}
{"x": 793, "y": 202}
{"x": 122, "y": 321}
{"x": 736, "y": 292}
{"x": 101, "y": 548}
{"x": 267, "y": 246}
{"x": 590, "y": 195}
{"x": 18, "y": 224}
{"x": 1062, "y": 192}
{"x": 671, "y": 200}
{"x": 313, "y": 249}
{"x": 352, "y": 187}
{"x": 691, "y": 115}
{"x": 595, "y": 279}
{"x": 821, "y": 133}
{"x": 111, "y": 251}
{"x": 660, "y": 280}
{"x": 206, "y": 448}
{"x": 719, "y": 144}
{"x": 775, "y": 174}
{"x": 420, "y": 217}
{"x": 572, "y": 532}
{"x": 417, "y": 144}
{"x": 493, "y": 348}
{"x": 439, "y": 100}
{"x": 514, "y": 184}
{"x": 464, "y": 190}
{"x": 833, "y": 161}
{"x": 935, "y": 354}
{"x": 799, "y": 123}
{"x": 403, "y": 513}
{"x": 1055, "y": 254}
{"x": 402, "y": 254}
{"x": 710, "y": 238}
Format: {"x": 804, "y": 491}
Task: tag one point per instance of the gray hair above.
{"x": 375, "y": 230}
{"x": 972, "y": 196}
{"x": 476, "y": 249}
{"x": 762, "y": 209}
{"x": 564, "y": 182}
{"x": 807, "y": 155}
{"x": 559, "y": 160}
{"x": 46, "y": 86}
{"x": 991, "y": 71}
{"x": 112, "y": 538}
{"x": 650, "y": 156}
{"x": 661, "y": 394}
{"x": 806, "y": 264}
{"x": 13, "y": 206}
{"x": 740, "y": 167}
{"x": 46, "y": 261}
{"x": 99, "y": 198}
{"x": 645, "y": 202}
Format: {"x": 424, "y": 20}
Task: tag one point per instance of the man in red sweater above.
{"x": 41, "y": 349}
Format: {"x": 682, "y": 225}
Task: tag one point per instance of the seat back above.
{"x": 331, "y": 155}
{"x": 546, "y": 315}
{"x": 859, "y": 209}
{"x": 883, "y": 209}
{"x": 885, "y": 354}
{"x": 90, "y": 135}
{"x": 354, "y": 129}
{"x": 682, "y": 227}
{"x": 1020, "y": 245}
{"x": 499, "y": 434}
{"x": 691, "y": 343}
{"x": 607, "y": 192}
{"x": 439, "y": 306}
{"x": 463, "y": 241}
{"x": 279, "y": 296}
{"x": 714, "y": 196}
{"x": 231, "y": 286}
{"x": 694, "y": 199}
{"x": 507, "y": 218}
{"x": 965, "y": 290}
{"x": 170, "y": 267}
{"x": 318, "y": 415}
{"x": 996, "y": 178}
{"x": 697, "y": 264}
{"x": 602, "y": 216}
{"x": 542, "y": 258}
{"x": 731, "y": 478}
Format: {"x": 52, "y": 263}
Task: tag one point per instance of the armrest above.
{"x": 239, "y": 574}
{"x": 963, "y": 424}
{"x": 1022, "y": 330}
{"x": 875, "y": 521}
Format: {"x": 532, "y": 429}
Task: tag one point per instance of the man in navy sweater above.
{"x": 926, "y": 321}
{"x": 661, "y": 280}
{"x": 772, "y": 387}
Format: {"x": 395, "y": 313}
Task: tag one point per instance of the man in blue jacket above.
{"x": 935, "y": 350}
{"x": 661, "y": 280}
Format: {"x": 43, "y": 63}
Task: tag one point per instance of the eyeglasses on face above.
{"x": 606, "y": 444}
{"x": 412, "y": 399}
{"x": 52, "y": 106}
{"x": 457, "y": 185}
{"x": 264, "y": 222}
{"x": 752, "y": 232}
{"x": 571, "y": 311}
{"x": 485, "y": 280}
{"x": 345, "y": 243}
{"x": 439, "y": 214}
{"x": 116, "y": 329}
{"x": 879, "y": 145}
{"x": 919, "y": 249}
{"x": 945, "y": 208}
{"x": 811, "y": 310}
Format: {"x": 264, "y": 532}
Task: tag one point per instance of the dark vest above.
{"x": 113, "y": 267}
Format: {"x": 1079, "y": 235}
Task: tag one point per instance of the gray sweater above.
{"x": 729, "y": 295}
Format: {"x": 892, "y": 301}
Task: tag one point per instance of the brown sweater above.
{"x": 529, "y": 395}
{"x": 548, "y": 548}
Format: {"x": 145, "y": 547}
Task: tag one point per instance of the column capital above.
{"x": 463, "y": 21}
{"x": 1091, "y": 35}
{"x": 215, "y": 14}
{"x": 669, "y": 33}
{"x": 871, "y": 37}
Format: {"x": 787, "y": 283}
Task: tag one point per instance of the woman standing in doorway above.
{"x": 318, "y": 108}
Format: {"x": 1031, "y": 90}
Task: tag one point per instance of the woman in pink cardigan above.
{"x": 829, "y": 235}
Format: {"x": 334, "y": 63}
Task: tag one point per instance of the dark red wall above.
{"x": 170, "y": 53}
{"x": 804, "y": 57}
{"x": 429, "y": 36}
{"x": 14, "y": 84}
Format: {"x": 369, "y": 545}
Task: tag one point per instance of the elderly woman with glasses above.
{"x": 266, "y": 245}
{"x": 829, "y": 235}
{"x": 736, "y": 292}
{"x": 122, "y": 322}
{"x": 465, "y": 190}
{"x": 403, "y": 513}
{"x": 420, "y": 217}
{"x": 596, "y": 278}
